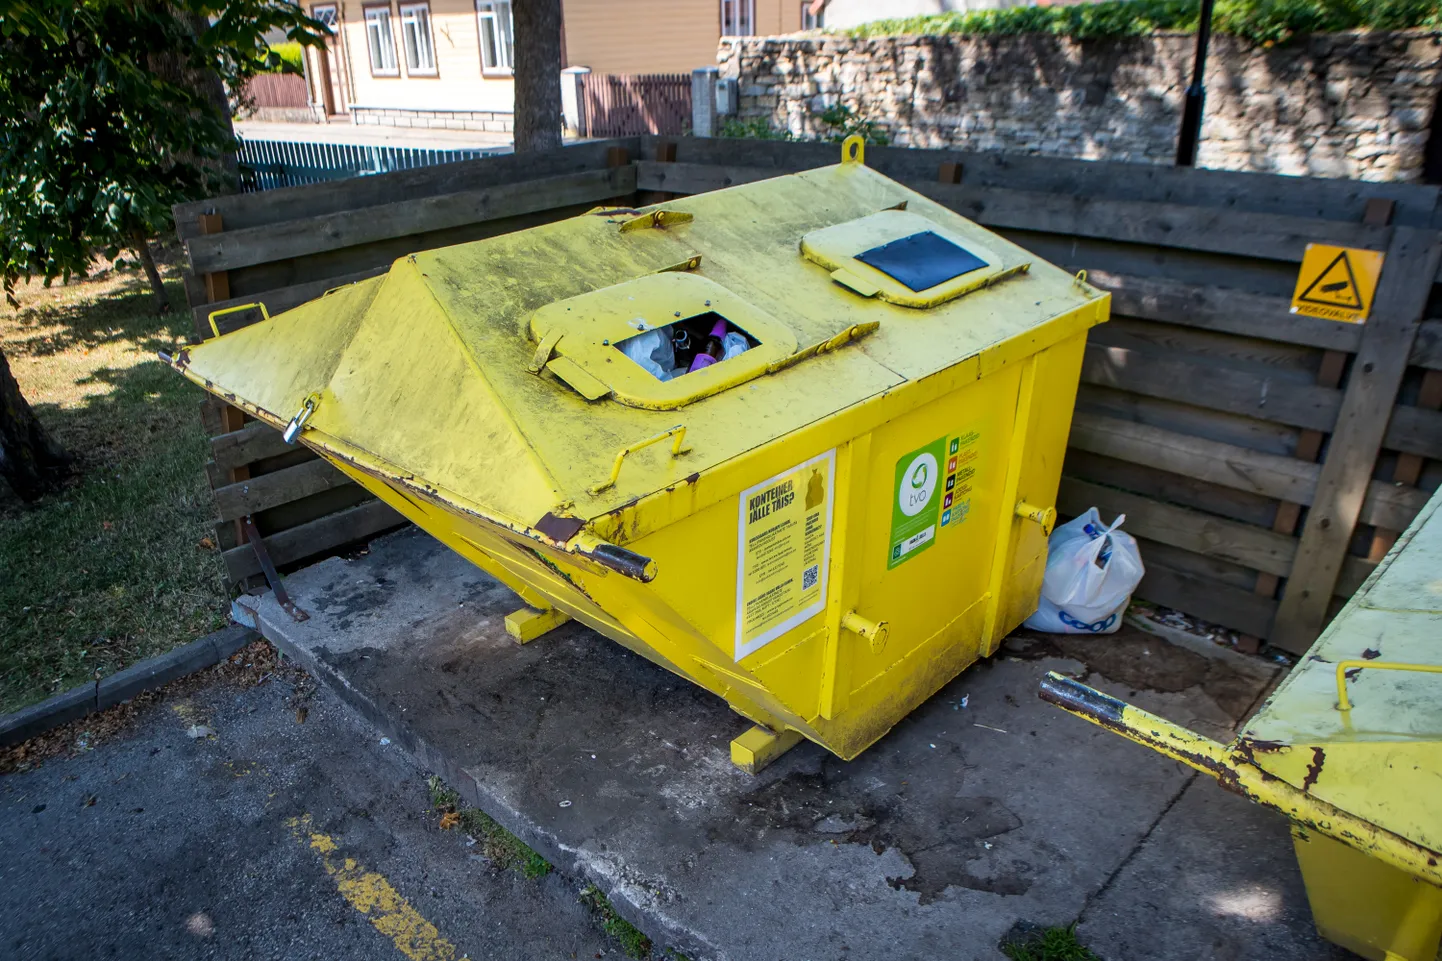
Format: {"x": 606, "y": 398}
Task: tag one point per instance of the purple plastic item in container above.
{"x": 702, "y": 360}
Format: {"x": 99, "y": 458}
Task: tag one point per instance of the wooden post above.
{"x": 1409, "y": 466}
{"x": 1407, "y": 275}
{"x": 619, "y": 157}
{"x": 217, "y": 285}
{"x": 666, "y": 154}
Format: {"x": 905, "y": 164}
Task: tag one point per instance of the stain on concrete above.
{"x": 939, "y": 830}
{"x": 1143, "y": 661}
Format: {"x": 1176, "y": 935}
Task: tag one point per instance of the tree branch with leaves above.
{"x": 111, "y": 112}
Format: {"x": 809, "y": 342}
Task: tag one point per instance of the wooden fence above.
{"x": 277, "y": 90}
{"x": 625, "y": 106}
{"x": 1264, "y": 460}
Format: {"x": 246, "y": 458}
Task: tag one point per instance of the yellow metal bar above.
{"x": 678, "y": 432}
{"x": 1345, "y": 704}
{"x": 1232, "y": 766}
{"x": 1045, "y": 516}
{"x": 235, "y": 310}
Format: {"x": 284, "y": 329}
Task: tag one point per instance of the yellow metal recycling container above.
{"x": 826, "y": 517}
{"x": 1350, "y": 748}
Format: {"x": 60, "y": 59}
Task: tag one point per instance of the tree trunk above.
{"x": 538, "y": 74}
{"x": 141, "y": 243}
{"x": 31, "y": 463}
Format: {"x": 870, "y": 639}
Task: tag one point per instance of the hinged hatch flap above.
{"x": 903, "y": 258}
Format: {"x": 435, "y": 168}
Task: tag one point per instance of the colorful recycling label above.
{"x": 784, "y": 552}
{"x": 919, "y": 479}
{"x": 933, "y": 493}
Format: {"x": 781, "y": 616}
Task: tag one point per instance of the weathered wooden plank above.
{"x": 1413, "y": 430}
{"x": 1208, "y": 599}
{"x": 1157, "y": 374}
{"x": 1222, "y": 309}
{"x": 255, "y": 441}
{"x": 297, "y": 238}
{"x": 1413, "y": 259}
{"x": 1262, "y": 236}
{"x": 684, "y": 178}
{"x": 316, "y": 537}
{"x": 1324, "y": 198}
{"x": 1227, "y": 465}
{"x": 1249, "y": 355}
{"x": 1195, "y": 531}
{"x": 289, "y": 203}
{"x": 281, "y": 487}
{"x": 1206, "y": 228}
{"x": 1427, "y": 350}
{"x": 281, "y": 299}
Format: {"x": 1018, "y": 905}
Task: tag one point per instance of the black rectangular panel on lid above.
{"x": 922, "y": 260}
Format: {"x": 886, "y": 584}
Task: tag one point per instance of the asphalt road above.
{"x": 268, "y": 839}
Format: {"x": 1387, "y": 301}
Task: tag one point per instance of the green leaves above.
{"x": 110, "y": 113}
{"x": 1265, "y": 22}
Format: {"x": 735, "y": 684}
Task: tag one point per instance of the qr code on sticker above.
{"x": 808, "y": 576}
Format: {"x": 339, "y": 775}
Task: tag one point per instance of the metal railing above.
{"x": 267, "y": 164}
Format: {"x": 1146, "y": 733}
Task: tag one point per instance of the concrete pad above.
{"x": 959, "y": 823}
{"x": 1216, "y": 881}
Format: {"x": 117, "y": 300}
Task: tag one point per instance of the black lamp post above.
{"x": 1196, "y": 94}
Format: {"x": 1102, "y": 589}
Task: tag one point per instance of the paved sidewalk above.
{"x": 344, "y": 132}
{"x": 268, "y": 840}
{"x": 984, "y": 808}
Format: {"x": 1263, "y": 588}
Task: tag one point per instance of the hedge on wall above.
{"x": 1267, "y": 22}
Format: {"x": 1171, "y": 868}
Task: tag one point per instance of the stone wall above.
{"x": 1356, "y": 105}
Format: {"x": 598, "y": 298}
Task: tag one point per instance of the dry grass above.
{"x": 118, "y": 566}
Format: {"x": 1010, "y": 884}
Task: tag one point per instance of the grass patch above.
{"x": 119, "y": 566}
{"x": 630, "y": 937}
{"x": 285, "y": 56}
{"x": 1267, "y": 22}
{"x": 1046, "y": 944}
{"x": 501, "y": 847}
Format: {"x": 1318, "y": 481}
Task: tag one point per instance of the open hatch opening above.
{"x": 685, "y": 346}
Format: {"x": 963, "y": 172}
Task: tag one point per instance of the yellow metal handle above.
{"x": 1045, "y": 516}
{"x": 875, "y": 632}
{"x": 1233, "y": 766}
{"x": 677, "y": 449}
{"x": 235, "y": 310}
{"x": 853, "y": 149}
{"x": 1344, "y": 704}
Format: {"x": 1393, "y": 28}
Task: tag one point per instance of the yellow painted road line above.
{"x": 372, "y": 895}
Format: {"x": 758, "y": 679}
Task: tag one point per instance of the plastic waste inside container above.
{"x": 687, "y": 345}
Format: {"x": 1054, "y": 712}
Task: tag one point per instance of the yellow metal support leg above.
{"x": 527, "y": 624}
{"x": 758, "y": 747}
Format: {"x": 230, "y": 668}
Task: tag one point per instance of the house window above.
{"x": 738, "y": 18}
{"x": 326, "y": 14}
{"x": 416, "y": 37}
{"x": 497, "y": 37}
{"x": 381, "y": 42}
{"x": 813, "y": 16}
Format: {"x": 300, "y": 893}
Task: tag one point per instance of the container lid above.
{"x": 1376, "y": 753}
{"x": 494, "y": 377}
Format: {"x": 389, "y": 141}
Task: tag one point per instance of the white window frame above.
{"x": 812, "y": 21}
{"x": 416, "y": 33}
{"x": 317, "y": 13}
{"x": 738, "y": 18}
{"x": 381, "y": 42}
{"x": 499, "y": 45}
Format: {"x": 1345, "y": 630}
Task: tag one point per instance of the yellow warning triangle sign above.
{"x": 1335, "y": 286}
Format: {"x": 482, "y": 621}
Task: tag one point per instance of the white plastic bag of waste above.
{"x": 653, "y": 351}
{"x": 1091, "y": 571}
